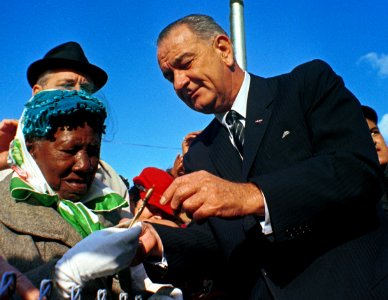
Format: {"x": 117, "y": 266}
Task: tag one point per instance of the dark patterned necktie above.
{"x": 233, "y": 119}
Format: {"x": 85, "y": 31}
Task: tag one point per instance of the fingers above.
{"x": 177, "y": 169}
{"x": 8, "y": 128}
{"x": 8, "y": 123}
{"x": 7, "y": 134}
{"x": 3, "y": 160}
{"x": 188, "y": 139}
{"x": 150, "y": 244}
{"x": 195, "y": 207}
{"x": 181, "y": 188}
{"x": 31, "y": 293}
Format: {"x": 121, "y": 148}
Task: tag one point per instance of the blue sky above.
{"x": 147, "y": 121}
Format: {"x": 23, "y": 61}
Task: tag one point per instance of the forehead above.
{"x": 371, "y": 124}
{"x": 77, "y": 135}
{"x": 67, "y": 75}
{"x": 179, "y": 40}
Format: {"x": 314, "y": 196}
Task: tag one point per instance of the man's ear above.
{"x": 36, "y": 89}
{"x": 223, "y": 45}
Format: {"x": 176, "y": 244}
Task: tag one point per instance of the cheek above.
{"x": 383, "y": 143}
{"x": 53, "y": 169}
{"x": 379, "y": 141}
{"x": 94, "y": 161}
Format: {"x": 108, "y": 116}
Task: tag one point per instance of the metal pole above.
{"x": 237, "y": 30}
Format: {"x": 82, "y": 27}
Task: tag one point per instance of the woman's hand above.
{"x": 103, "y": 253}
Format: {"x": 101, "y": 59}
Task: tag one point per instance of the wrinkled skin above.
{"x": 69, "y": 162}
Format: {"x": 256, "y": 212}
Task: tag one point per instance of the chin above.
{"x": 73, "y": 197}
{"x": 205, "y": 109}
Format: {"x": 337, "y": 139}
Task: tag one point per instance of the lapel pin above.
{"x": 285, "y": 133}
{"x": 259, "y": 121}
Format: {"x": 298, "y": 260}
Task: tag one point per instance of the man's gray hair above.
{"x": 202, "y": 25}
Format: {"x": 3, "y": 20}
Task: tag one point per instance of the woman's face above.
{"x": 69, "y": 161}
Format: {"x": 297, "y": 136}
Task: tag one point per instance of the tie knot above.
{"x": 231, "y": 117}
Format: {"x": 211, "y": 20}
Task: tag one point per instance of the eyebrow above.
{"x": 66, "y": 80}
{"x": 177, "y": 60}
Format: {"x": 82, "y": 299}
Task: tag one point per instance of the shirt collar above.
{"x": 240, "y": 103}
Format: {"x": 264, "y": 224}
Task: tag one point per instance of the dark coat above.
{"x": 308, "y": 148}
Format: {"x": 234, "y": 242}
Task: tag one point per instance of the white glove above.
{"x": 141, "y": 282}
{"x": 103, "y": 253}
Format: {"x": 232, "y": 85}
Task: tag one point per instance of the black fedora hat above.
{"x": 67, "y": 56}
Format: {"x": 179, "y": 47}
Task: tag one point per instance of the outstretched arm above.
{"x": 103, "y": 253}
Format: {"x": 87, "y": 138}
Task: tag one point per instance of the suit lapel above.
{"x": 258, "y": 116}
{"x": 224, "y": 156}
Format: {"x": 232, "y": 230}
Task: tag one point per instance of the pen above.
{"x": 131, "y": 222}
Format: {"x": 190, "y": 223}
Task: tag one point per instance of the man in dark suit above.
{"x": 294, "y": 209}
{"x": 283, "y": 199}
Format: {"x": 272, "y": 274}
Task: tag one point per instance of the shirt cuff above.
{"x": 266, "y": 224}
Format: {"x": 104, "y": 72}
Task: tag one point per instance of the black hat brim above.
{"x": 37, "y": 68}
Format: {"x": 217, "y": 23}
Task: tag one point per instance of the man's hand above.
{"x": 150, "y": 244}
{"x": 7, "y": 134}
{"x": 103, "y": 253}
{"x": 202, "y": 195}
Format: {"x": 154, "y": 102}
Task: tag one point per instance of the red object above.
{"x": 158, "y": 178}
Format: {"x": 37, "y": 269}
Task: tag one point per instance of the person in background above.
{"x": 64, "y": 67}
{"x": 154, "y": 212}
{"x": 177, "y": 168}
{"x": 381, "y": 148}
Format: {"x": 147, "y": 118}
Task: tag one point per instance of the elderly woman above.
{"x": 53, "y": 199}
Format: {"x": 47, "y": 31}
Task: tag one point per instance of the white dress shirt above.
{"x": 240, "y": 106}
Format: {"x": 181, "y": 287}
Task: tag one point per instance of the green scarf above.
{"x": 81, "y": 216}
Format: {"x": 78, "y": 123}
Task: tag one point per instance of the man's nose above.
{"x": 180, "y": 80}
